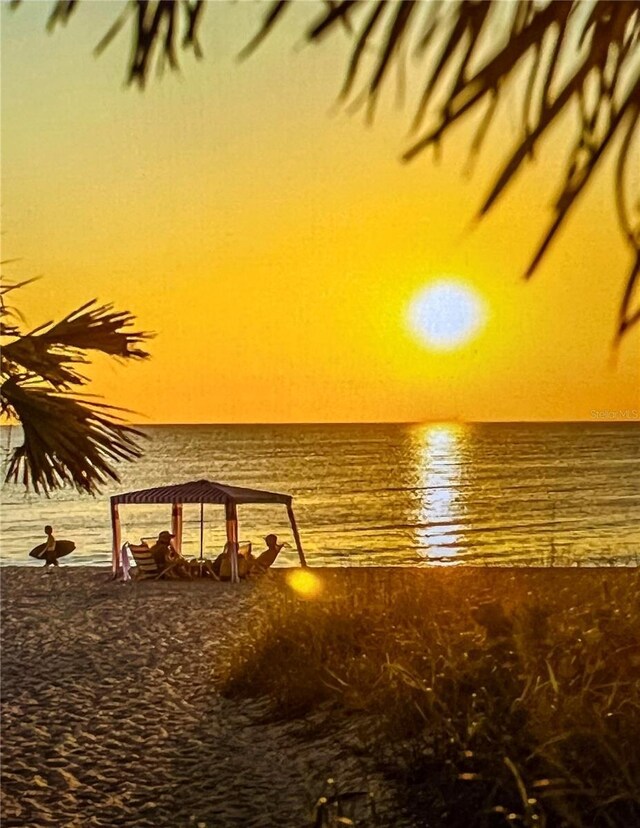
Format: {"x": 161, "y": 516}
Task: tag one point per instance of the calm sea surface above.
{"x": 375, "y": 494}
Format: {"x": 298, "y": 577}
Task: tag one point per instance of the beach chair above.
{"x": 244, "y": 561}
{"x": 263, "y": 563}
{"x": 146, "y": 564}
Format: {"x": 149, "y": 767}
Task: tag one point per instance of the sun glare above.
{"x": 446, "y": 314}
{"x": 305, "y": 583}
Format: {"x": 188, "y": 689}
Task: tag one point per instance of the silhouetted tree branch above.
{"x": 578, "y": 56}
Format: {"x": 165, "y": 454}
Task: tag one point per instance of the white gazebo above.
{"x": 200, "y": 491}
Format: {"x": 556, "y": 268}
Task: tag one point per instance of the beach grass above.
{"x": 394, "y": 698}
{"x": 498, "y": 697}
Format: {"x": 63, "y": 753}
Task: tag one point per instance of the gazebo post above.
{"x": 231, "y": 514}
{"x": 116, "y": 535}
{"x": 201, "y": 532}
{"x": 176, "y": 526}
{"x": 296, "y": 534}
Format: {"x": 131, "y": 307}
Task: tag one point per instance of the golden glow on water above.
{"x": 304, "y": 583}
{"x": 439, "y": 458}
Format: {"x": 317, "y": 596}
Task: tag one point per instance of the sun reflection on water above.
{"x": 439, "y": 529}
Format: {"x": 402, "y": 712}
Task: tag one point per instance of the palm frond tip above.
{"x": 575, "y": 56}
{"x": 67, "y": 438}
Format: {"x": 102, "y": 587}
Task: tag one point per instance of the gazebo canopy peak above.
{"x": 201, "y": 491}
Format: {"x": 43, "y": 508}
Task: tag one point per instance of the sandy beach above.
{"x": 116, "y": 707}
{"x": 350, "y": 290}
{"x": 111, "y": 713}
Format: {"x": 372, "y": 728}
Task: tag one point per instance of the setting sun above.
{"x": 446, "y": 314}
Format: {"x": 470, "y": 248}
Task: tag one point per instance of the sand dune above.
{"x": 112, "y": 716}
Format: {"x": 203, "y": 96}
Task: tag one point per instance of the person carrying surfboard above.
{"x": 49, "y": 552}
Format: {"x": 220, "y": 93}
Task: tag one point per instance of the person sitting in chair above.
{"x": 222, "y": 564}
{"x": 166, "y": 556}
{"x": 267, "y": 558}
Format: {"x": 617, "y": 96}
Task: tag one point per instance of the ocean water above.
{"x": 379, "y": 494}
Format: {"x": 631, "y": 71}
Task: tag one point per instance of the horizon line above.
{"x": 437, "y": 421}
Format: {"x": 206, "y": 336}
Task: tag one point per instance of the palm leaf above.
{"x": 94, "y": 328}
{"x": 276, "y": 10}
{"x": 8, "y": 310}
{"x": 67, "y": 440}
{"x": 29, "y": 358}
{"x": 52, "y": 351}
{"x": 62, "y": 10}
{"x": 163, "y": 23}
{"x": 484, "y": 47}
{"x": 481, "y": 35}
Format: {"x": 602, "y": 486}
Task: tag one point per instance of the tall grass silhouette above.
{"x": 500, "y": 697}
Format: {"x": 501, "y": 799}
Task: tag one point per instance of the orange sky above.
{"x": 274, "y": 243}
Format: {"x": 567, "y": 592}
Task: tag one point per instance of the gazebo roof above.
{"x": 201, "y": 491}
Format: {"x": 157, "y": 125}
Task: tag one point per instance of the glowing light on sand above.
{"x": 441, "y": 508}
{"x": 304, "y": 583}
{"x": 446, "y": 314}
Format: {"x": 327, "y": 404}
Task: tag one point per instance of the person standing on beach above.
{"x": 49, "y": 554}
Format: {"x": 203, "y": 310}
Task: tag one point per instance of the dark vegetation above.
{"x": 500, "y": 697}
{"x": 68, "y": 438}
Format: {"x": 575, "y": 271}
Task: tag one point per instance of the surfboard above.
{"x": 63, "y": 547}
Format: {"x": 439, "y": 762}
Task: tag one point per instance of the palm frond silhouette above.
{"x": 68, "y": 438}
{"x": 577, "y": 56}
